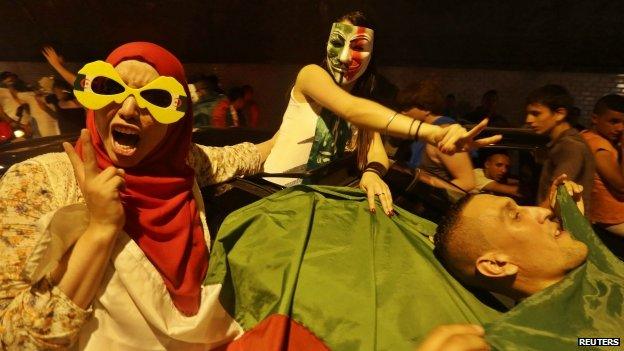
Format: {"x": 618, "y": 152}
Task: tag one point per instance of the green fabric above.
{"x": 358, "y": 281}
{"x": 589, "y": 302}
{"x": 368, "y": 282}
{"x": 330, "y": 138}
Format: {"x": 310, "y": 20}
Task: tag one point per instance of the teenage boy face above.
{"x": 609, "y": 124}
{"x": 542, "y": 119}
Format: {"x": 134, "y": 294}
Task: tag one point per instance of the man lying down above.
{"x": 309, "y": 268}
{"x": 568, "y": 285}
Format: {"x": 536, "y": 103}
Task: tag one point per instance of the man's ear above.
{"x": 594, "y": 118}
{"x": 495, "y": 265}
{"x": 561, "y": 114}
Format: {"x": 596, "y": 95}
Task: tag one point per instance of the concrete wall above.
{"x": 272, "y": 84}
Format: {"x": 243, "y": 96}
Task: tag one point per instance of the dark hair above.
{"x": 552, "y": 96}
{"x": 613, "y": 102}
{"x": 235, "y": 93}
{"x": 210, "y": 83}
{"x": 6, "y": 74}
{"x": 425, "y": 95}
{"x": 445, "y": 229}
{"x": 66, "y": 87}
{"x": 61, "y": 84}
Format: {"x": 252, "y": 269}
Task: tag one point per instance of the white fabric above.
{"x": 480, "y": 179}
{"x": 294, "y": 142}
{"x": 46, "y": 124}
{"x": 133, "y": 309}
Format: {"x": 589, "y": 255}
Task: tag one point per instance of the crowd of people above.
{"x": 49, "y": 107}
{"x": 123, "y": 205}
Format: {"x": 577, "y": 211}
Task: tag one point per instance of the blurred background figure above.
{"x": 421, "y": 101}
{"x": 487, "y": 109}
{"x": 209, "y": 94}
{"x": 24, "y": 107}
{"x": 547, "y": 112}
{"x": 494, "y": 176}
{"x": 69, "y": 114}
{"x": 450, "y": 106}
{"x": 605, "y": 142}
{"x": 424, "y": 101}
{"x": 225, "y": 113}
{"x": 250, "y": 112}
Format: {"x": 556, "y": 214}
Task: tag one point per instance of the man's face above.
{"x": 526, "y": 235}
{"x": 609, "y": 124}
{"x": 542, "y": 119}
{"x": 349, "y": 51}
{"x": 496, "y": 167}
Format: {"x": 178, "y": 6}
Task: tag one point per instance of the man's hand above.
{"x": 575, "y": 190}
{"x": 455, "y": 337}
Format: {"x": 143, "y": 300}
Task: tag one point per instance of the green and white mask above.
{"x": 349, "y": 51}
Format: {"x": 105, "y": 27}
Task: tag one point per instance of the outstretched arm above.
{"x": 315, "y": 83}
{"x": 56, "y": 61}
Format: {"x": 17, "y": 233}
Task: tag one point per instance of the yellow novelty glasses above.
{"x": 98, "y": 84}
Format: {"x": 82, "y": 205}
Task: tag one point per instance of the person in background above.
{"x": 209, "y": 95}
{"x": 493, "y": 177}
{"x": 225, "y": 113}
{"x": 487, "y": 109}
{"x": 547, "y": 111}
{"x": 26, "y": 107}
{"x": 423, "y": 101}
{"x": 605, "y": 143}
{"x": 250, "y": 110}
{"x": 66, "y": 109}
{"x": 450, "y": 106}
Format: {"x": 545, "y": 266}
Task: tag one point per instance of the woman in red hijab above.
{"x": 107, "y": 244}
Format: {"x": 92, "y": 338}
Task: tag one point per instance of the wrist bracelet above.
{"x": 409, "y": 131}
{"x": 390, "y": 121}
{"x": 372, "y": 170}
{"x": 377, "y": 168}
{"x": 418, "y": 130}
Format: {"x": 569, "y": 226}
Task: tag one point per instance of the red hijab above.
{"x": 161, "y": 214}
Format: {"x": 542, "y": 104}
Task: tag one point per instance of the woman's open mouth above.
{"x": 125, "y": 140}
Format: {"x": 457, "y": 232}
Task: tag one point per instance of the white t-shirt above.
{"x": 480, "y": 179}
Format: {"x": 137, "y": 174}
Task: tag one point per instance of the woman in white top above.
{"x": 326, "y": 101}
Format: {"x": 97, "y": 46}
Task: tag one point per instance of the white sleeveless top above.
{"x": 294, "y": 142}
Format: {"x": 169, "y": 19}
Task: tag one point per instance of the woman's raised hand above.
{"x": 455, "y": 138}
{"x": 99, "y": 188}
